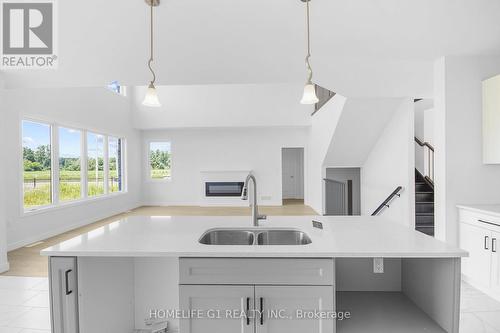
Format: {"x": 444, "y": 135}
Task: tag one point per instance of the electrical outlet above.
{"x": 378, "y": 265}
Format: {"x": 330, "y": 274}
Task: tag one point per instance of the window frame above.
{"x": 21, "y": 164}
{"x": 148, "y": 164}
{"x": 55, "y": 172}
{"x": 81, "y": 163}
{"x": 120, "y": 166}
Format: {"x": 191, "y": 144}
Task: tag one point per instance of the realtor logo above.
{"x": 28, "y": 32}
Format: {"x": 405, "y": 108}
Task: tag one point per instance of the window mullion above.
{"x": 55, "y": 163}
{"x": 105, "y": 165}
{"x": 84, "y": 165}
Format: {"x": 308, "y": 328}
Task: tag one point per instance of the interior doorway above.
{"x": 343, "y": 191}
{"x": 292, "y": 171}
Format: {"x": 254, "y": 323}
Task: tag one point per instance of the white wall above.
{"x": 324, "y": 123}
{"x": 461, "y": 177}
{"x": 90, "y": 108}
{"x": 391, "y": 164}
{"x": 219, "y": 149}
{"x": 424, "y": 130}
{"x": 419, "y": 133}
{"x": 4, "y": 266}
{"x": 360, "y": 125}
{"x": 230, "y": 105}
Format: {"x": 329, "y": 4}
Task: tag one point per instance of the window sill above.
{"x": 167, "y": 180}
{"x": 69, "y": 204}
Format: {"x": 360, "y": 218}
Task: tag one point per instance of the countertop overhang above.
{"x": 177, "y": 236}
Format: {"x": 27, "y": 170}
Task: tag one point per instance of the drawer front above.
{"x": 481, "y": 220}
{"x": 256, "y": 271}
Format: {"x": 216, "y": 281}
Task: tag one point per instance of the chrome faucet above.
{"x": 255, "y": 208}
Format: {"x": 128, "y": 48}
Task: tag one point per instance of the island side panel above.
{"x": 106, "y": 294}
{"x": 433, "y": 284}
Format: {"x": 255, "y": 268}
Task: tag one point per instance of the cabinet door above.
{"x": 281, "y": 307}
{"x": 63, "y": 294}
{"x": 495, "y": 261}
{"x": 211, "y": 304}
{"x": 477, "y": 241}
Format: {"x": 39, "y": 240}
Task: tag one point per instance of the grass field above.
{"x": 63, "y": 175}
{"x": 160, "y": 174}
{"x": 68, "y": 191}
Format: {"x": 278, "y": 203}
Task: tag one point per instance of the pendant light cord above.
{"x": 308, "y": 64}
{"x": 151, "y": 43}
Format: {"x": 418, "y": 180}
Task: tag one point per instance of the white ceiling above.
{"x": 360, "y": 47}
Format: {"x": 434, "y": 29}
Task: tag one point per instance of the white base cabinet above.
{"x": 480, "y": 236}
{"x": 291, "y": 309}
{"x": 63, "y": 294}
{"x": 266, "y": 304}
{"x": 211, "y": 304}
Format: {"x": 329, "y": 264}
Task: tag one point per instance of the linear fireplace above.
{"x": 223, "y": 189}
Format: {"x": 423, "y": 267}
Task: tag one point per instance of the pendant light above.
{"x": 151, "y": 98}
{"x": 309, "y": 96}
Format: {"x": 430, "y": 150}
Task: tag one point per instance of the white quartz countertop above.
{"x": 165, "y": 236}
{"x": 485, "y": 209}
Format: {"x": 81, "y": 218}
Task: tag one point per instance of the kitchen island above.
{"x": 385, "y": 276}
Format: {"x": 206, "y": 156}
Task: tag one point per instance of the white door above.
{"x": 63, "y": 295}
{"x": 293, "y": 173}
{"x": 219, "y": 309}
{"x": 284, "y": 309}
{"x": 477, "y": 241}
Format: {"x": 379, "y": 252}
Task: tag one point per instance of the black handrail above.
{"x": 386, "y": 202}
{"x": 424, "y": 144}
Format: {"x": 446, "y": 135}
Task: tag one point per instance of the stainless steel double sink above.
{"x": 262, "y": 236}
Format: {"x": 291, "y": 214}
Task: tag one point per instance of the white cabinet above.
{"x": 270, "y": 292}
{"x": 491, "y": 120}
{"x": 64, "y": 294}
{"x": 495, "y": 262}
{"x": 278, "y": 303}
{"x": 259, "y": 309}
{"x": 208, "y": 305}
{"x": 480, "y": 236}
{"x": 477, "y": 241}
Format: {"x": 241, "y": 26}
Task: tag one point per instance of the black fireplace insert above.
{"x": 223, "y": 189}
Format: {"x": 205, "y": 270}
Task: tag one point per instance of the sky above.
{"x": 162, "y": 146}
{"x": 36, "y": 134}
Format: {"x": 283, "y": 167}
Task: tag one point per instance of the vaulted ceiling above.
{"x": 360, "y": 47}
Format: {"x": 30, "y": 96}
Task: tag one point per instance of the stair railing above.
{"x": 385, "y": 204}
{"x": 429, "y": 151}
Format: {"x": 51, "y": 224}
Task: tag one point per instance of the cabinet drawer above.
{"x": 479, "y": 219}
{"x": 256, "y": 271}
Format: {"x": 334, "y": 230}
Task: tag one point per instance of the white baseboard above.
{"x": 4, "y": 267}
{"x": 65, "y": 228}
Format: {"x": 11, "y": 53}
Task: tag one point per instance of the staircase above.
{"x": 424, "y": 204}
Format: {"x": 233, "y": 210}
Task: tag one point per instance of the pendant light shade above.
{"x": 151, "y": 99}
{"x": 309, "y": 96}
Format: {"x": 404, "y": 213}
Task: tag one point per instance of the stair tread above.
{"x": 424, "y": 192}
{"x": 424, "y": 202}
{"x": 424, "y": 214}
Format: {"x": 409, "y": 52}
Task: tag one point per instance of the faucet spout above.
{"x": 255, "y": 208}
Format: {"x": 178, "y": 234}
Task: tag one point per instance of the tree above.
{"x": 28, "y": 154}
{"x": 42, "y": 156}
{"x": 160, "y": 160}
